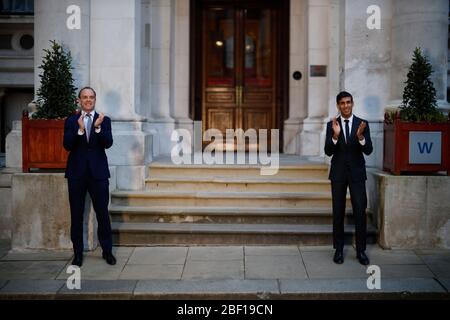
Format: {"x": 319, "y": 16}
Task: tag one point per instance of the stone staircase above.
{"x": 229, "y": 204}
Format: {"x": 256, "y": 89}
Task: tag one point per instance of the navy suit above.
{"x": 87, "y": 171}
{"x": 348, "y": 169}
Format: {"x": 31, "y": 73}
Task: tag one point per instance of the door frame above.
{"x": 195, "y": 60}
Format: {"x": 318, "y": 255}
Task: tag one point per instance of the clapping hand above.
{"x": 99, "y": 120}
{"x": 361, "y": 128}
{"x": 81, "y": 123}
{"x": 336, "y": 128}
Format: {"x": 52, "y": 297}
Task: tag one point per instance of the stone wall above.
{"x": 41, "y": 212}
{"x": 5, "y": 203}
{"x": 41, "y": 215}
{"x": 411, "y": 211}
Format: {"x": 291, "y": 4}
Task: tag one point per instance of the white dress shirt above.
{"x": 83, "y": 113}
{"x": 350, "y": 123}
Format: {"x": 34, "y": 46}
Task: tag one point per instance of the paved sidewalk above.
{"x": 235, "y": 272}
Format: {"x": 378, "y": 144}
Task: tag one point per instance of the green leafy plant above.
{"x": 57, "y": 94}
{"x": 419, "y": 96}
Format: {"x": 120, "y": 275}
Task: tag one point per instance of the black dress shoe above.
{"x": 338, "y": 257}
{"x": 362, "y": 258}
{"x": 110, "y": 259}
{"x": 77, "y": 260}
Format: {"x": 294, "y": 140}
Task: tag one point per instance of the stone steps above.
{"x": 229, "y": 204}
{"x": 304, "y": 171}
{"x": 228, "y": 199}
{"x": 226, "y": 184}
{"x": 141, "y": 234}
{"x": 226, "y": 215}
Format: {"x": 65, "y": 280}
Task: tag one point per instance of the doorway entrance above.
{"x": 239, "y": 78}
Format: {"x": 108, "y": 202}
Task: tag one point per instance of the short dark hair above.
{"x": 86, "y": 88}
{"x": 342, "y": 95}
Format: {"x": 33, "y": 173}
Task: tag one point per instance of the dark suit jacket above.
{"x": 348, "y": 155}
{"x": 84, "y": 157}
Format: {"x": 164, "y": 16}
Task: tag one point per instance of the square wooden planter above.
{"x": 42, "y": 144}
{"x": 396, "y": 157}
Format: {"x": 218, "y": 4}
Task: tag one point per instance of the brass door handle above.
{"x": 239, "y": 95}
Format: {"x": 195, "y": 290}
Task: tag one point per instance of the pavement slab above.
{"x": 158, "y": 255}
{"x": 152, "y": 271}
{"x": 216, "y": 253}
{"x": 274, "y": 267}
{"x": 271, "y": 251}
{"x": 230, "y": 269}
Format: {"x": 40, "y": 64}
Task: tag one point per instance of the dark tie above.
{"x": 347, "y": 131}
{"x": 89, "y": 125}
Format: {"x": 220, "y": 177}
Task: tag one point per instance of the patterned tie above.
{"x": 89, "y": 125}
{"x": 347, "y": 131}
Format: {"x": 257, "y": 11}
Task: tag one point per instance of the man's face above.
{"x": 87, "y": 100}
{"x": 345, "y": 106}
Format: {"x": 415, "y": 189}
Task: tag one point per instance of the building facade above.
{"x": 156, "y": 66}
{"x": 161, "y": 65}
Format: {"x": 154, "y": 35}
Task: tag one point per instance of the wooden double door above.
{"x": 239, "y": 73}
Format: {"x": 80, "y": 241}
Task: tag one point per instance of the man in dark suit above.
{"x": 347, "y": 139}
{"x": 86, "y": 136}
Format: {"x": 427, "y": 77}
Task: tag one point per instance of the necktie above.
{"x": 88, "y": 125}
{"x": 347, "y": 131}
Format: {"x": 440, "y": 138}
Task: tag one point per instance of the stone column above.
{"x": 115, "y": 47}
{"x": 318, "y": 54}
{"x": 179, "y": 72}
{"x": 422, "y": 24}
{"x": 116, "y": 75}
{"x": 366, "y": 68}
{"x": 161, "y": 123}
{"x": 297, "y": 88}
{"x": 50, "y": 23}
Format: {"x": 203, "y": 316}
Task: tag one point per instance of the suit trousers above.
{"x": 99, "y": 193}
{"x": 359, "y": 204}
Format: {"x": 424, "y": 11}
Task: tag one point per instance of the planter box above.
{"x": 42, "y": 144}
{"x": 414, "y": 147}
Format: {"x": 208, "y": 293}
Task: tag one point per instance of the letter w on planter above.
{"x": 416, "y": 147}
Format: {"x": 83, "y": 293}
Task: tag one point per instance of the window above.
{"x": 17, "y": 7}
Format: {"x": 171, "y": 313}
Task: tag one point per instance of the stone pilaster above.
{"x": 179, "y": 73}
{"x": 161, "y": 124}
{"x": 50, "y": 23}
{"x": 317, "y": 87}
{"x": 297, "y": 88}
{"x": 116, "y": 75}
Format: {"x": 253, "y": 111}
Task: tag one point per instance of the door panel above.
{"x": 258, "y": 50}
{"x": 221, "y": 119}
{"x": 219, "y": 80}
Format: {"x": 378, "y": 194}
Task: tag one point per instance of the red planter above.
{"x": 42, "y": 144}
{"x": 396, "y": 147}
